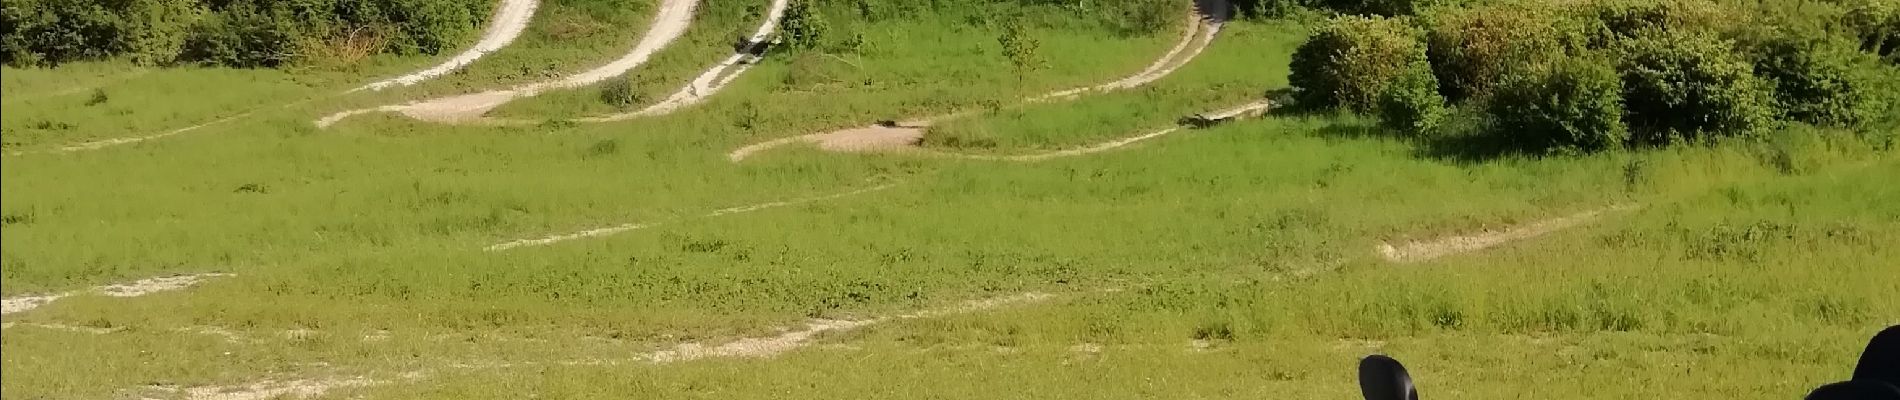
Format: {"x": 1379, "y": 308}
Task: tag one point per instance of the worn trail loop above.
{"x": 1202, "y": 28}
{"x": 510, "y": 19}
{"x": 669, "y": 24}
{"x": 622, "y": 228}
{"x": 717, "y": 77}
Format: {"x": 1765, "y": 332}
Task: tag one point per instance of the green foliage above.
{"x": 619, "y": 93}
{"x": 1268, "y": 8}
{"x": 1876, "y": 23}
{"x": 1350, "y": 60}
{"x": 804, "y": 26}
{"x": 1627, "y": 19}
{"x": 1146, "y": 17}
{"x": 1573, "y": 106}
{"x": 1813, "y": 80}
{"x": 1473, "y": 49}
{"x": 242, "y": 33}
{"x": 1689, "y": 87}
{"x": 57, "y": 31}
{"x": 243, "y": 36}
{"x": 1412, "y": 103}
{"x": 1022, "y": 48}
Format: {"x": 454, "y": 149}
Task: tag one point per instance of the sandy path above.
{"x": 621, "y": 228}
{"x": 1426, "y": 250}
{"x": 1202, "y": 28}
{"x": 769, "y": 346}
{"x": 669, "y": 24}
{"x": 132, "y": 289}
{"x": 753, "y": 347}
{"x": 715, "y": 78}
{"x": 507, "y": 24}
{"x": 908, "y": 137}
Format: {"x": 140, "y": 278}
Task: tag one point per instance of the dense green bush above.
{"x": 1690, "y": 87}
{"x": 242, "y": 36}
{"x": 1350, "y": 60}
{"x": 244, "y": 33}
{"x": 55, "y": 31}
{"x": 1411, "y": 104}
{"x": 1471, "y": 50}
{"x": 1143, "y": 17}
{"x": 1268, "y": 8}
{"x": 804, "y": 26}
{"x": 1877, "y": 24}
{"x": 1628, "y": 19}
{"x": 1571, "y": 106}
{"x": 1813, "y": 80}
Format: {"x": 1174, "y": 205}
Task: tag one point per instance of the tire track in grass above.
{"x": 137, "y": 288}
{"x": 510, "y": 19}
{"x": 787, "y": 340}
{"x": 885, "y": 139}
{"x": 1204, "y": 24}
{"x": 626, "y": 227}
{"x": 669, "y": 24}
{"x": 1416, "y": 251}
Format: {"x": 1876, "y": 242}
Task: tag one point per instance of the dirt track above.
{"x": 506, "y": 25}
{"x": 1426, "y": 250}
{"x": 715, "y": 78}
{"x": 669, "y": 24}
{"x": 132, "y": 289}
{"x": 616, "y": 229}
{"x": 1202, "y": 28}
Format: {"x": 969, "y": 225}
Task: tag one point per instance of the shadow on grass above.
{"x": 1466, "y": 142}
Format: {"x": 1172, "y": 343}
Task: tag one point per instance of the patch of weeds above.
{"x": 254, "y": 188}
{"x": 602, "y": 148}
{"x": 98, "y": 97}
{"x": 16, "y": 219}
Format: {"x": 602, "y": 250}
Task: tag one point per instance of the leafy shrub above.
{"x": 1876, "y": 23}
{"x": 1268, "y": 8}
{"x": 1690, "y": 87}
{"x": 1627, "y": 19}
{"x": 803, "y": 27}
{"x": 243, "y": 36}
{"x": 1813, "y": 80}
{"x": 245, "y": 33}
{"x": 1350, "y": 60}
{"x": 1143, "y": 17}
{"x": 1390, "y": 8}
{"x": 1471, "y": 50}
{"x": 1412, "y": 103}
{"x": 1572, "y": 106}
{"x": 57, "y": 31}
{"x": 619, "y": 93}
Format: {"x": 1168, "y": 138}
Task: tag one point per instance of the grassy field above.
{"x": 1232, "y": 262}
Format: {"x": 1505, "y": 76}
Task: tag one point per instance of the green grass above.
{"x": 1752, "y": 270}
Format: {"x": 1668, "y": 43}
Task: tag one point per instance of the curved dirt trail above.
{"x": 616, "y": 229}
{"x": 715, "y": 78}
{"x": 132, "y": 289}
{"x": 1202, "y": 27}
{"x": 669, "y": 24}
{"x": 907, "y": 137}
{"x": 507, "y": 24}
{"x": 1415, "y": 251}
